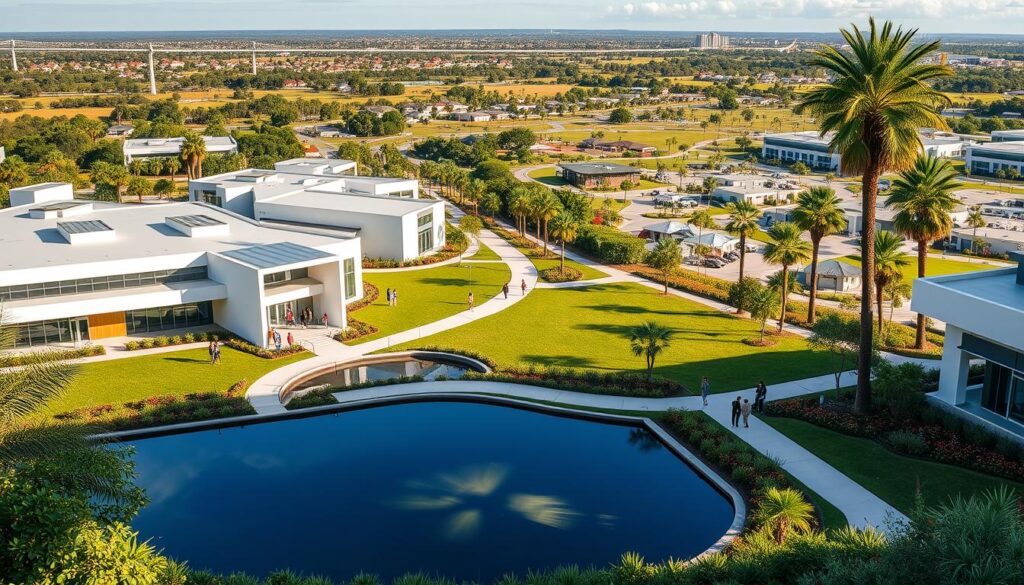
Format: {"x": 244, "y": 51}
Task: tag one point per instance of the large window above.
{"x": 350, "y": 277}
{"x": 426, "y": 231}
{"x": 100, "y": 283}
{"x": 211, "y": 197}
{"x": 41, "y": 333}
{"x": 286, "y": 275}
{"x": 173, "y": 317}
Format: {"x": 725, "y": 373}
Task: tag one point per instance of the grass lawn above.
{"x": 935, "y": 266}
{"x": 484, "y": 253}
{"x": 892, "y": 477}
{"x": 425, "y": 296}
{"x": 173, "y": 373}
{"x": 547, "y": 177}
{"x": 588, "y": 327}
{"x": 552, "y": 261}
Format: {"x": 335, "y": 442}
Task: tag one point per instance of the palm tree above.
{"x": 818, "y": 212}
{"x": 519, "y": 207}
{"x": 649, "y": 340}
{"x": 565, "y": 227}
{"x": 880, "y": 96}
{"x": 975, "y": 220}
{"x": 784, "y": 511}
{"x": 762, "y": 305}
{"x": 889, "y": 259}
{"x": 923, "y": 197}
{"x": 702, "y": 219}
{"x": 193, "y": 151}
{"x": 547, "y": 207}
{"x": 743, "y": 216}
{"x": 786, "y": 248}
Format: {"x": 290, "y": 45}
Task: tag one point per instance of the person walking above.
{"x": 291, "y": 340}
{"x": 759, "y": 396}
{"x": 522, "y": 286}
{"x": 389, "y": 297}
{"x": 212, "y": 349}
{"x": 216, "y": 352}
{"x": 736, "y": 412}
{"x": 270, "y": 336}
{"x": 504, "y": 290}
{"x": 277, "y": 339}
{"x": 323, "y": 320}
{"x": 705, "y": 389}
{"x": 470, "y": 300}
{"x": 745, "y": 412}
{"x": 394, "y": 297}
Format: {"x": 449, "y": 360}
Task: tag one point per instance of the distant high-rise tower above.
{"x": 712, "y": 41}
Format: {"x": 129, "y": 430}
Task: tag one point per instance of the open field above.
{"x": 934, "y": 267}
{"x": 588, "y": 327}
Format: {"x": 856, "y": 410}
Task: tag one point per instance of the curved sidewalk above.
{"x": 264, "y": 392}
{"x": 860, "y": 506}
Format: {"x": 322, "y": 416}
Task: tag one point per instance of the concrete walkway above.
{"x": 264, "y": 394}
{"x": 860, "y": 506}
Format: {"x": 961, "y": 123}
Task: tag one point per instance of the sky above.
{"x": 931, "y": 16}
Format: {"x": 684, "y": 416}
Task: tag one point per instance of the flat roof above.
{"x": 173, "y": 145}
{"x": 598, "y": 168}
{"x": 997, "y": 286}
{"x": 59, "y": 205}
{"x": 1010, "y": 147}
{"x": 275, "y": 255}
{"x": 37, "y": 187}
{"x": 355, "y": 203}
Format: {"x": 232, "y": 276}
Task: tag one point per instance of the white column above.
{"x": 254, "y": 57}
{"x": 14, "y": 58}
{"x": 152, "y": 72}
{"x": 954, "y": 369}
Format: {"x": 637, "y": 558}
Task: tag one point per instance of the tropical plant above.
{"x": 784, "y": 511}
{"x": 889, "y": 260}
{"x": 762, "y": 303}
{"x": 786, "y": 249}
{"x": 546, "y": 207}
{"x": 193, "y": 151}
{"x": 923, "y": 199}
{"x": 565, "y": 226}
{"x": 649, "y": 340}
{"x": 840, "y": 337}
{"x": 743, "y": 218}
{"x": 880, "y": 95}
{"x": 975, "y": 220}
{"x": 817, "y": 212}
{"x": 665, "y": 258}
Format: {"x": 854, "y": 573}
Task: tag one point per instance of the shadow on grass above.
{"x": 565, "y": 361}
{"x": 186, "y": 360}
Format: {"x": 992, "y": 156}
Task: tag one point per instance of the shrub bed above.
{"x": 269, "y": 354}
{"x": 370, "y": 294}
{"x": 165, "y": 341}
{"x": 567, "y": 274}
{"x": 940, "y": 436}
{"x": 324, "y": 396}
{"x": 355, "y": 330}
{"x": 612, "y": 383}
{"x": 164, "y": 410}
{"x": 610, "y": 245}
{"x": 36, "y": 357}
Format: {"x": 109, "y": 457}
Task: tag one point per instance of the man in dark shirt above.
{"x": 736, "y": 412}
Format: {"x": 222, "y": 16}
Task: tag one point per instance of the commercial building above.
{"x": 984, "y": 313}
{"x": 711, "y": 41}
{"x": 1007, "y": 135}
{"x": 88, "y": 270}
{"x": 637, "y": 148}
{"x": 387, "y": 214}
{"x": 594, "y": 175}
{"x": 989, "y": 159}
{"x": 135, "y": 148}
{"x": 806, "y": 147}
{"x": 751, "y": 189}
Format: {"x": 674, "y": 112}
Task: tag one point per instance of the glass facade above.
{"x": 425, "y": 235}
{"x": 350, "y": 277}
{"x": 41, "y": 333}
{"x": 173, "y": 317}
{"x": 100, "y": 283}
{"x": 286, "y": 275}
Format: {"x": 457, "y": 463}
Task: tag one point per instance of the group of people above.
{"x": 274, "y": 338}
{"x": 741, "y": 407}
{"x": 306, "y": 318}
{"x": 392, "y": 296}
{"x": 214, "y": 352}
{"x": 522, "y": 287}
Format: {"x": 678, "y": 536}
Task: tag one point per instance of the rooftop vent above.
{"x": 60, "y": 209}
{"x": 256, "y": 177}
{"x": 86, "y": 232}
{"x": 198, "y": 226}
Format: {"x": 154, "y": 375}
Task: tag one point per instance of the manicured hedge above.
{"x": 556, "y": 274}
{"x": 611, "y": 245}
{"x": 36, "y": 357}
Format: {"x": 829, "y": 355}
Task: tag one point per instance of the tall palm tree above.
{"x": 547, "y": 207}
{"x": 817, "y": 212}
{"x": 519, "y": 207}
{"x": 743, "y": 216}
{"x": 975, "y": 220}
{"x": 565, "y": 227}
{"x": 889, "y": 259}
{"x": 193, "y": 151}
{"x": 880, "y": 96}
{"x": 649, "y": 340}
{"x": 784, "y": 511}
{"x": 923, "y": 197}
{"x": 786, "y": 249}
{"x": 701, "y": 219}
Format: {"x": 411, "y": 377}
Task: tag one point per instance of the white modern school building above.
{"x": 813, "y": 150}
{"x": 136, "y": 148}
{"x": 386, "y": 214}
{"x": 83, "y": 270}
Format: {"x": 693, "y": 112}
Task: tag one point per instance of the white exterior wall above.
{"x": 242, "y": 311}
{"x": 40, "y": 194}
{"x": 332, "y": 299}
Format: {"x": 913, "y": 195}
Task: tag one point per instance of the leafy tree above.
{"x": 665, "y": 258}
{"x": 800, "y": 168}
{"x": 110, "y": 179}
{"x": 762, "y": 302}
{"x": 924, "y": 200}
{"x": 471, "y": 224}
{"x": 163, "y": 187}
{"x": 516, "y": 139}
{"x": 649, "y": 340}
{"x": 840, "y": 337}
{"x": 819, "y": 213}
{"x": 490, "y": 203}
{"x": 620, "y": 116}
{"x": 881, "y": 94}
{"x": 139, "y": 187}
{"x": 786, "y": 249}
{"x": 743, "y": 222}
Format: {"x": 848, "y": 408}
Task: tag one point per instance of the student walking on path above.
{"x": 504, "y": 290}
{"x": 705, "y": 389}
{"x": 470, "y": 300}
{"x": 745, "y": 412}
{"x": 736, "y": 408}
{"x": 394, "y": 297}
{"x": 277, "y": 339}
{"x": 291, "y": 340}
{"x": 323, "y": 320}
{"x": 759, "y": 396}
{"x": 388, "y": 296}
{"x": 522, "y": 285}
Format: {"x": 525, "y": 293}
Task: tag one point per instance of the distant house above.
{"x": 594, "y": 175}
{"x": 119, "y": 130}
{"x": 833, "y": 275}
{"x": 719, "y": 244}
{"x": 379, "y": 111}
{"x": 673, "y": 229}
{"x": 618, "y": 146}
{"x": 471, "y": 116}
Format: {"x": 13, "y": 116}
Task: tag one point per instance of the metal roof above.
{"x": 274, "y": 255}
{"x": 598, "y": 168}
{"x": 84, "y": 227}
{"x": 195, "y": 220}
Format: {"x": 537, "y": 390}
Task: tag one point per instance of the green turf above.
{"x": 172, "y": 373}
{"x": 553, "y": 261}
{"x": 428, "y": 295}
{"x": 588, "y": 327}
{"x": 484, "y": 253}
{"x": 892, "y": 477}
{"x": 934, "y": 267}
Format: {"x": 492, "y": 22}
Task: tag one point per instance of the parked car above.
{"x": 714, "y": 262}
{"x": 751, "y": 247}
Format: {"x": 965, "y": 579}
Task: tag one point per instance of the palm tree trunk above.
{"x": 545, "y": 238}
{"x": 922, "y": 259}
{"x": 561, "y": 266}
{"x": 785, "y": 296}
{"x": 743, "y": 255}
{"x": 869, "y": 188}
{"x": 815, "y": 244}
{"x": 879, "y": 293}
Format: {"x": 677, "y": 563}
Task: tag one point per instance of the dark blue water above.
{"x": 470, "y": 491}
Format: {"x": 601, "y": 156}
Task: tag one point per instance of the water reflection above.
{"x": 402, "y": 367}
{"x": 644, "y": 440}
{"x": 546, "y": 510}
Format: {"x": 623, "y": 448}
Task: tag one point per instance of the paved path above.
{"x": 861, "y": 507}
{"x": 264, "y": 392}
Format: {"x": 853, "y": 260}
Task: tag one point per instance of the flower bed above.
{"x": 567, "y": 274}
{"x": 355, "y": 330}
{"x": 166, "y": 341}
{"x": 164, "y": 410}
{"x": 370, "y": 294}
{"x": 943, "y": 437}
{"x": 446, "y": 253}
{"x": 270, "y": 354}
{"x": 36, "y": 357}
